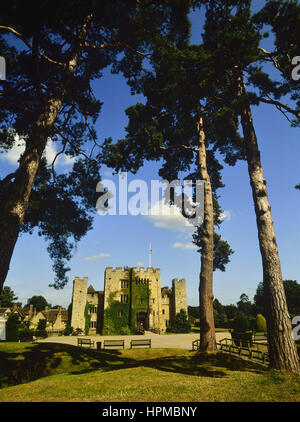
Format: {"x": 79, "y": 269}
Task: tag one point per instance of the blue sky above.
{"x": 124, "y": 240}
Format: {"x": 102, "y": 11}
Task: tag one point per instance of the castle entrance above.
{"x": 142, "y": 320}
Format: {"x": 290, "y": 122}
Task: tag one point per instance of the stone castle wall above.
{"x": 79, "y": 298}
{"x": 161, "y": 307}
{"x": 179, "y": 296}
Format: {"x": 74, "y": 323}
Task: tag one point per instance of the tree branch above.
{"x": 78, "y": 150}
{"x": 113, "y": 45}
{"x": 180, "y": 146}
{"x": 280, "y": 106}
{"x": 271, "y": 57}
{"x": 25, "y": 41}
{"x": 8, "y": 178}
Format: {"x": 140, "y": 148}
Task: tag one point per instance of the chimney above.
{"x": 46, "y": 308}
{"x": 30, "y": 311}
{"x": 14, "y": 307}
{"x": 34, "y": 311}
{"x": 59, "y": 310}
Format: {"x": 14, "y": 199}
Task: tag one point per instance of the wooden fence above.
{"x": 254, "y": 350}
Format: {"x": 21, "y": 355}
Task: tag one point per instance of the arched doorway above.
{"x": 142, "y": 320}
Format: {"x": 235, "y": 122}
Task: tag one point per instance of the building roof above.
{"x": 166, "y": 291}
{"x": 91, "y": 289}
{"x": 51, "y": 314}
{"x": 3, "y": 309}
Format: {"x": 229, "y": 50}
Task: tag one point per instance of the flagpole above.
{"x": 150, "y": 253}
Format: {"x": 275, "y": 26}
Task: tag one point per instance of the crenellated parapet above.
{"x": 125, "y": 270}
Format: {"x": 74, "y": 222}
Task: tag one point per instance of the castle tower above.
{"x": 79, "y": 298}
{"x": 179, "y": 296}
{"x": 139, "y": 293}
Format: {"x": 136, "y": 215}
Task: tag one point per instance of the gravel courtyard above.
{"x": 180, "y": 341}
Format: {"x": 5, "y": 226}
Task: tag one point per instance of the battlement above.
{"x": 178, "y": 281}
{"x": 135, "y": 269}
{"x": 84, "y": 279}
{"x": 125, "y": 285}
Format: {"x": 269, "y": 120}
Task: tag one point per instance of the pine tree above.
{"x": 233, "y": 37}
{"x": 184, "y": 125}
{"x": 53, "y": 55}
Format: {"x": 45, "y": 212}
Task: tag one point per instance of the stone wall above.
{"x": 137, "y": 296}
{"x": 117, "y": 286}
{"x": 79, "y": 299}
{"x": 179, "y": 296}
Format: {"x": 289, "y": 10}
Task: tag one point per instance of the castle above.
{"x": 132, "y": 298}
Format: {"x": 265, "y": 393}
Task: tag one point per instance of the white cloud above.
{"x": 184, "y": 245}
{"x": 15, "y": 152}
{"x": 96, "y": 257}
{"x": 168, "y": 217}
{"x": 226, "y": 215}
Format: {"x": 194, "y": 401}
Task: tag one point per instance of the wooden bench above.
{"x": 141, "y": 342}
{"x": 85, "y": 342}
{"x": 108, "y": 344}
{"x": 260, "y": 337}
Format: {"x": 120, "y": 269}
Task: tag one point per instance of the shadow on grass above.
{"x": 43, "y": 359}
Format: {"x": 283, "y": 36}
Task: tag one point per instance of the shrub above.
{"x": 41, "y": 325}
{"x": 125, "y": 331}
{"x": 68, "y": 330}
{"x": 240, "y": 334}
{"x": 240, "y": 323}
{"x": 242, "y": 339}
{"x": 12, "y": 328}
{"x": 41, "y": 333}
{"x": 181, "y": 324}
{"x": 261, "y": 323}
{"x": 77, "y": 332}
{"x": 25, "y": 334}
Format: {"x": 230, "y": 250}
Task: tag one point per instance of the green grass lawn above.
{"x": 57, "y": 372}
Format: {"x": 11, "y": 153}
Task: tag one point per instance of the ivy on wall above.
{"x": 139, "y": 300}
{"x": 116, "y": 316}
{"x": 87, "y": 317}
{"x": 121, "y": 318}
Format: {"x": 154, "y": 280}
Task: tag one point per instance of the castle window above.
{"x": 124, "y": 284}
{"x": 124, "y": 298}
{"x": 120, "y": 313}
{"x": 142, "y": 281}
{"x": 93, "y": 309}
{"x": 153, "y": 300}
{"x": 163, "y": 312}
{"x": 93, "y": 324}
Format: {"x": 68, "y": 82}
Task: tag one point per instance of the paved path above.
{"x": 180, "y": 341}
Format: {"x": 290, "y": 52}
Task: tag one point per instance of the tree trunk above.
{"x": 282, "y": 350}
{"x": 207, "y": 324}
{"x": 15, "y": 195}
